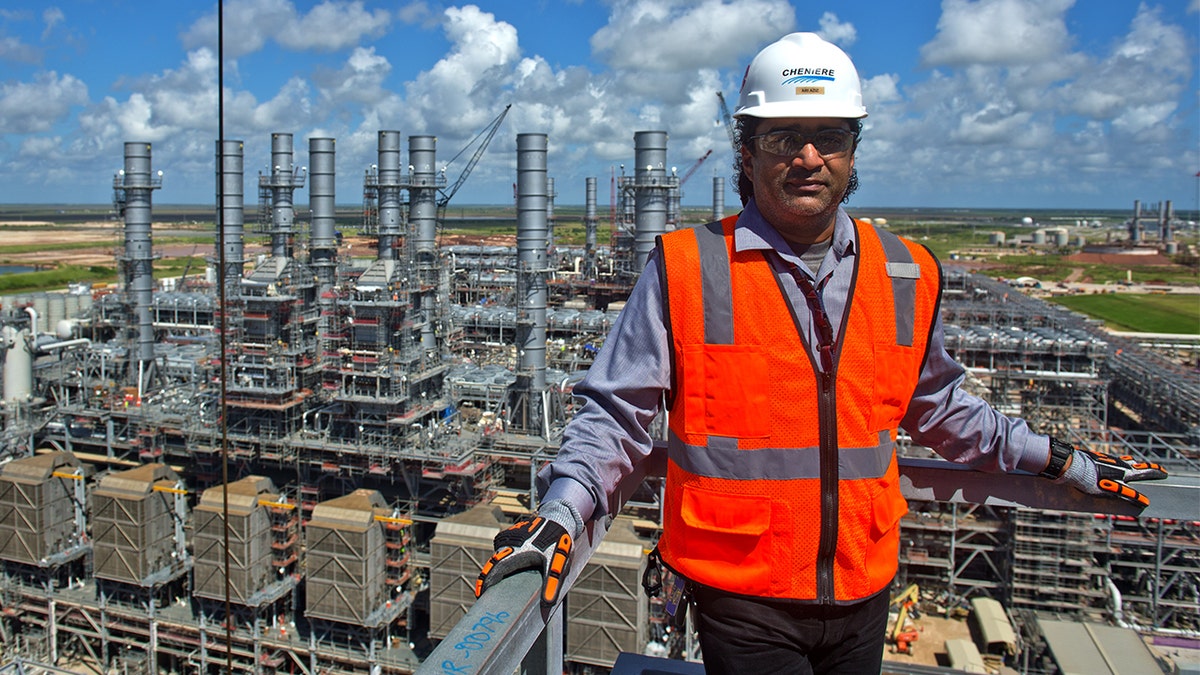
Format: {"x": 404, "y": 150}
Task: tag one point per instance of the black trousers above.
{"x": 760, "y": 635}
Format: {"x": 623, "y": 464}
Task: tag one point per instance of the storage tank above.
{"x": 1061, "y": 237}
{"x": 1039, "y": 237}
{"x": 18, "y": 364}
{"x": 996, "y": 239}
{"x": 41, "y": 305}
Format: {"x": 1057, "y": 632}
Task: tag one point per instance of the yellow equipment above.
{"x": 901, "y": 639}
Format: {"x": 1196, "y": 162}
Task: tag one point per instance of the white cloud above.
{"x": 290, "y": 108}
{"x": 359, "y": 81}
{"x": 1062, "y": 120}
{"x": 881, "y": 89}
{"x": 13, "y": 49}
{"x": 838, "y": 32}
{"x": 30, "y": 107}
{"x": 470, "y": 78}
{"x": 249, "y": 24}
{"x": 1002, "y": 32}
{"x": 677, "y": 35}
{"x": 331, "y": 26}
{"x": 1148, "y": 68}
{"x": 418, "y": 12}
{"x": 51, "y": 16}
{"x": 1142, "y": 119}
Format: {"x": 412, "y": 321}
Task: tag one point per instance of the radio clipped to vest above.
{"x": 676, "y": 590}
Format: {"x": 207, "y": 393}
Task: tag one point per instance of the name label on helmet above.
{"x": 804, "y": 91}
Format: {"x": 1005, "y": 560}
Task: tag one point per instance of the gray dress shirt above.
{"x": 624, "y": 389}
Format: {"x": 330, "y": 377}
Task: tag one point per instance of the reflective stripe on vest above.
{"x": 743, "y": 480}
{"x": 721, "y": 458}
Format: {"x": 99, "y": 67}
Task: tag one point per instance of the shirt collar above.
{"x": 754, "y": 232}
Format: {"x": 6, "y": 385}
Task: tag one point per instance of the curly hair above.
{"x": 745, "y": 128}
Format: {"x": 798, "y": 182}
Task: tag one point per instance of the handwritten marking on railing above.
{"x": 483, "y": 629}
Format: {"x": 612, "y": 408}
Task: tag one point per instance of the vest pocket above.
{"x": 726, "y": 540}
{"x": 729, "y": 386}
{"x": 889, "y": 506}
{"x": 895, "y": 379}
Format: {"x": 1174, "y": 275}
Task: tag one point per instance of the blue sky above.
{"x": 973, "y": 103}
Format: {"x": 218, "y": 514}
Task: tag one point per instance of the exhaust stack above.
{"x": 231, "y": 202}
{"x": 389, "y": 194}
{"x": 718, "y": 202}
{"x": 134, "y": 186}
{"x": 323, "y": 255}
{"x": 650, "y": 156}
{"x": 589, "y": 226}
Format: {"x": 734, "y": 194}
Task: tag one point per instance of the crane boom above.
{"x": 491, "y": 129}
{"x": 695, "y": 166}
{"x": 728, "y": 123}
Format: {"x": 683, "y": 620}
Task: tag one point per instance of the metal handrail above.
{"x": 507, "y": 629}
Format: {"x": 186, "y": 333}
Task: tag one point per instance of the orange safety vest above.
{"x": 782, "y": 481}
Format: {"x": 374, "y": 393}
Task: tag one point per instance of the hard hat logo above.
{"x": 802, "y": 79}
{"x": 827, "y": 85}
{"x": 807, "y": 75}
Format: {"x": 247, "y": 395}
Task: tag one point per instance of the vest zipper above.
{"x": 827, "y": 420}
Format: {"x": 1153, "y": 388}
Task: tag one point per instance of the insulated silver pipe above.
{"x": 321, "y": 201}
{"x": 650, "y": 215}
{"x": 138, "y": 183}
{"x": 389, "y": 194}
{"x": 532, "y": 197}
{"x": 550, "y": 195}
{"x": 231, "y": 202}
{"x": 674, "y": 202}
{"x": 718, "y": 202}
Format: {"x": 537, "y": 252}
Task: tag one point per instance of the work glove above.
{"x": 542, "y": 542}
{"x": 1100, "y": 474}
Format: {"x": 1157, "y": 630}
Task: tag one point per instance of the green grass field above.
{"x": 1139, "y": 313}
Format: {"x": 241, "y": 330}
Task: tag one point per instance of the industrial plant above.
{"x": 296, "y": 461}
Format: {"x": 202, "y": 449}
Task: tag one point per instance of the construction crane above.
{"x": 900, "y": 638}
{"x": 490, "y": 130}
{"x": 689, "y": 172}
{"x": 728, "y": 123}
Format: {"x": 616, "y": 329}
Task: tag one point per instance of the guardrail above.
{"x": 508, "y": 630}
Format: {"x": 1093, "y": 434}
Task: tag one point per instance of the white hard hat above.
{"x": 801, "y": 75}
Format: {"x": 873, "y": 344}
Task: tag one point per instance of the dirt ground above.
{"x": 104, "y": 235}
{"x": 108, "y": 240}
{"x": 929, "y": 649}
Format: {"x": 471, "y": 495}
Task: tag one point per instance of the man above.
{"x": 790, "y": 343}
